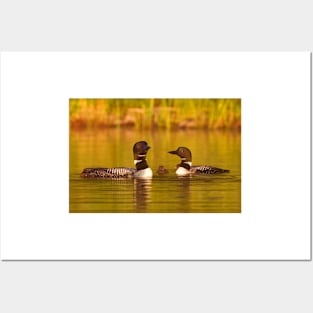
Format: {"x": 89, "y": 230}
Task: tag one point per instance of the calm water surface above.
{"x": 163, "y": 193}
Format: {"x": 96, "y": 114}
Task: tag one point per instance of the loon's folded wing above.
{"x": 207, "y": 169}
{"x": 113, "y": 172}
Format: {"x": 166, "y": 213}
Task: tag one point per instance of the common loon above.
{"x": 185, "y": 166}
{"x": 142, "y": 169}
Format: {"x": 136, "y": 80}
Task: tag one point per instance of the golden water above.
{"x": 163, "y": 193}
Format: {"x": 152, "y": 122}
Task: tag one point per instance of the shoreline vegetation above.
{"x": 214, "y": 114}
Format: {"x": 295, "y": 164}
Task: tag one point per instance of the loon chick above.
{"x": 162, "y": 170}
{"x": 142, "y": 169}
{"x": 185, "y": 166}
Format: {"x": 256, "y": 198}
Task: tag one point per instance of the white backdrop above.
{"x": 275, "y": 92}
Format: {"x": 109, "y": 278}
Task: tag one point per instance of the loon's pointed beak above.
{"x": 147, "y": 148}
{"x": 173, "y": 152}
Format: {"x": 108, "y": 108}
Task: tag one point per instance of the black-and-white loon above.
{"x": 142, "y": 169}
{"x": 185, "y": 166}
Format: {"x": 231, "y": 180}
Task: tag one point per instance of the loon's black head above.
{"x": 140, "y": 150}
{"x": 183, "y": 152}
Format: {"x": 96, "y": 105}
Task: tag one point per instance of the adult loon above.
{"x": 185, "y": 166}
{"x": 142, "y": 169}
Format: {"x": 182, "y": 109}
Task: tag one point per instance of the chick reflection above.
{"x": 142, "y": 193}
{"x": 183, "y": 187}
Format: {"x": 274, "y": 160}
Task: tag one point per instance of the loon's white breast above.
{"x": 183, "y": 171}
{"x": 145, "y": 173}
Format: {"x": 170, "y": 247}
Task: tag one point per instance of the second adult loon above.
{"x": 142, "y": 169}
{"x": 185, "y": 166}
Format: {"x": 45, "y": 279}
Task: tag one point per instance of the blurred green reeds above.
{"x": 156, "y": 113}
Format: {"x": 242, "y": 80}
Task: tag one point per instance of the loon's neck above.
{"x": 186, "y": 165}
{"x": 141, "y": 164}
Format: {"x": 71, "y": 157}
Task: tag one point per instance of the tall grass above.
{"x": 156, "y": 113}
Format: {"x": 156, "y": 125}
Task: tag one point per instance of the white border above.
{"x": 275, "y": 92}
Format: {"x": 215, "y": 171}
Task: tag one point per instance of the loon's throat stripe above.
{"x": 186, "y": 165}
